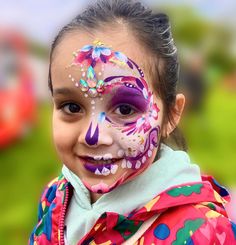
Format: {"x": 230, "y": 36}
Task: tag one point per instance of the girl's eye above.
{"x": 124, "y": 110}
{"x": 71, "y": 108}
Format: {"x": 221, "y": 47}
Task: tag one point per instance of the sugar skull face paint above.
{"x": 114, "y": 131}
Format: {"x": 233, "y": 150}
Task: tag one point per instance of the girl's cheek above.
{"x": 139, "y": 141}
{"x": 130, "y": 145}
{"x": 137, "y": 138}
{"x": 63, "y": 134}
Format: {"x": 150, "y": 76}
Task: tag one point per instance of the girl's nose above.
{"x": 96, "y": 134}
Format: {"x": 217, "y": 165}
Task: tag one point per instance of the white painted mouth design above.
{"x": 106, "y": 171}
{"x": 100, "y": 167}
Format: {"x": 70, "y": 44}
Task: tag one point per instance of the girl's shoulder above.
{"x": 188, "y": 224}
{"x": 194, "y": 213}
{"x": 192, "y": 224}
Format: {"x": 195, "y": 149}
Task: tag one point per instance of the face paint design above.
{"x": 101, "y": 117}
{"x": 92, "y": 85}
{"x": 92, "y": 138}
{"x": 138, "y": 135}
{"x": 141, "y": 98}
{"x": 90, "y": 56}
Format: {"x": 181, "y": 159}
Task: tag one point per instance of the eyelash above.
{"x": 134, "y": 110}
{"x": 64, "y": 105}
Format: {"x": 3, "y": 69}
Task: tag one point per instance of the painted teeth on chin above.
{"x": 120, "y": 153}
{"x": 149, "y": 153}
{"x": 138, "y": 164}
{"x": 114, "y": 168}
{"x": 144, "y": 159}
{"x": 129, "y": 164}
{"x": 123, "y": 165}
{"x": 105, "y": 171}
{"x": 97, "y": 172}
{"x": 142, "y": 148}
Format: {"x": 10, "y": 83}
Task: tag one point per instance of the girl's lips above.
{"x": 100, "y": 167}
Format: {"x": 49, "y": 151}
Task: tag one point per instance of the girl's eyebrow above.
{"x": 64, "y": 91}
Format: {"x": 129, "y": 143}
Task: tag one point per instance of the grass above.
{"x": 211, "y": 135}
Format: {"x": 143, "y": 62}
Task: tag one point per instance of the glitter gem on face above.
{"x": 92, "y": 86}
{"x": 83, "y": 85}
{"x": 100, "y": 86}
{"x": 92, "y": 92}
{"x": 91, "y": 77}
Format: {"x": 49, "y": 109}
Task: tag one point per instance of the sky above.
{"x": 41, "y": 20}
{"x": 38, "y": 19}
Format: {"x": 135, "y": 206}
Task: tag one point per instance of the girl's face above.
{"x": 107, "y": 118}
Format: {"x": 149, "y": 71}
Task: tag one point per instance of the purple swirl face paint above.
{"x": 130, "y": 96}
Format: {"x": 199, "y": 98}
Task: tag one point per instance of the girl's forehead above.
{"x": 93, "y": 63}
{"x": 72, "y": 42}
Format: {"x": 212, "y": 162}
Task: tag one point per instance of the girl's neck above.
{"x": 94, "y": 197}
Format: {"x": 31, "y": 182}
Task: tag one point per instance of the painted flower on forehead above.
{"x": 91, "y": 54}
{"x": 120, "y": 60}
{"x": 99, "y": 52}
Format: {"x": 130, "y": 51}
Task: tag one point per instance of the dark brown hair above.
{"x": 153, "y": 31}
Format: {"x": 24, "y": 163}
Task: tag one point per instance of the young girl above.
{"x": 113, "y": 77}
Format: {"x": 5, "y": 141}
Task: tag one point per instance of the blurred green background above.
{"x": 208, "y": 78}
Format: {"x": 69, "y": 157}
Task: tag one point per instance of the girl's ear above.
{"x": 176, "y": 113}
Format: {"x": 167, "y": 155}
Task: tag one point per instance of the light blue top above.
{"x": 173, "y": 168}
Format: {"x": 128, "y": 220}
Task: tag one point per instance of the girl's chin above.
{"x": 103, "y": 186}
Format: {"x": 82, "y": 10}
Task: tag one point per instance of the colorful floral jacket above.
{"x": 188, "y": 214}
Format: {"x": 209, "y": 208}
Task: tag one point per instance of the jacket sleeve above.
{"x": 193, "y": 225}
{"x": 217, "y": 229}
{"x": 40, "y": 215}
{"x": 46, "y": 198}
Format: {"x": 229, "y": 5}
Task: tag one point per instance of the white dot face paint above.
{"x": 120, "y": 153}
{"x": 116, "y": 129}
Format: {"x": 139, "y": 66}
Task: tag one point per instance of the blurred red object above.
{"x": 17, "y": 98}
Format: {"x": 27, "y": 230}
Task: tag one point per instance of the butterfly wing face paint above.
{"x": 123, "y": 109}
